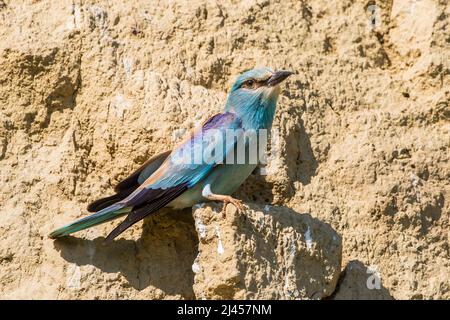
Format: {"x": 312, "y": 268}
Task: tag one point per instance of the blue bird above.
{"x": 178, "y": 179}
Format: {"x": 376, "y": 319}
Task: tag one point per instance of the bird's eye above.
{"x": 249, "y": 83}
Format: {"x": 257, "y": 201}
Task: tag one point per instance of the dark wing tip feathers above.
{"x": 124, "y": 188}
{"x": 159, "y": 199}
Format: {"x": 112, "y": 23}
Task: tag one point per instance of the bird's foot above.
{"x": 236, "y": 202}
{"x": 226, "y": 199}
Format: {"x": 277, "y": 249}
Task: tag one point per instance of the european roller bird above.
{"x": 167, "y": 180}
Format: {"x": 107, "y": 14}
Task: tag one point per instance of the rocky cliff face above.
{"x": 90, "y": 89}
{"x": 268, "y": 253}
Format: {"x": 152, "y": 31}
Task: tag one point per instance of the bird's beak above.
{"x": 278, "y": 77}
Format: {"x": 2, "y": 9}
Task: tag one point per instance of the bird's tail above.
{"x": 109, "y": 213}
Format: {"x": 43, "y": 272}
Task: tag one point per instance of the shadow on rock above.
{"x": 256, "y": 189}
{"x": 359, "y": 282}
{"x": 302, "y": 167}
{"x": 161, "y": 258}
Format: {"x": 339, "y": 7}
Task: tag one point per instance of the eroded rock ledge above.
{"x": 268, "y": 253}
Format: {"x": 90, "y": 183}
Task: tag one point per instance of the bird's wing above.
{"x": 124, "y": 188}
{"x": 181, "y": 170}
{"x": 143, "y": 172}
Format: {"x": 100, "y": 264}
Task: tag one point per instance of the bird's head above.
{"x": 254, "y": 95}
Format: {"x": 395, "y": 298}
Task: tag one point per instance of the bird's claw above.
{"x": 239, "y": 205}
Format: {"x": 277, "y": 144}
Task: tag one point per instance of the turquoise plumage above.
{"x": 180, "y": 178}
